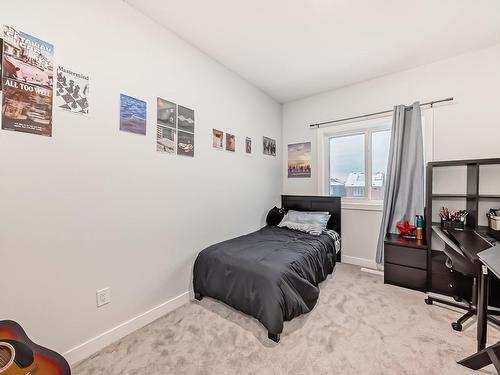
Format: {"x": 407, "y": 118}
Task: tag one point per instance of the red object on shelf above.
{"x": 406, "y": 228}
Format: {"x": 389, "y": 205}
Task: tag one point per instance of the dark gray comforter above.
{"x": 272, "y": 274}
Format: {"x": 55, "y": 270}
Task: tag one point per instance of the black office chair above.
{"x": 458, "y": 262}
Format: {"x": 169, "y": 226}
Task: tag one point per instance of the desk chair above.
{"x": 458, "y": 262}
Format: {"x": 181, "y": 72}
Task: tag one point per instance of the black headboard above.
{"x": 315, "y": 203}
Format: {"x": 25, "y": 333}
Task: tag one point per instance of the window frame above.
{"x": 356, "y": 127}
{"x": 366, "y": 128}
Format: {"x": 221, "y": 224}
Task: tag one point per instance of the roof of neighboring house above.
{"x": 357, "y": 179}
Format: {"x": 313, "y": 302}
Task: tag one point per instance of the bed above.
{"x": 272, "y": 274}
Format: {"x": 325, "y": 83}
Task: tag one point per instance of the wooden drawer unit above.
{"x": 446, "y": 281}
{"x": 405, "y": 262}
{"x": 406, "y": 277}
{"x": 405, "y": 256}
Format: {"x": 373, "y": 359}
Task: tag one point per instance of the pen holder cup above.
{"x": 452, "y": 224}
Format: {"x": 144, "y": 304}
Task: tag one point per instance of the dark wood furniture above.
{"x": 317, "y": 203}
{"x": 441, "y": 279}
{"x": 405, "y": 262}
{"x": 403, "y": 258}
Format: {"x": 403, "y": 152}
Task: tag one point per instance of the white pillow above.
{"x": 305, "y": 221}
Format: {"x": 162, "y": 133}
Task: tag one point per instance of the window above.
{"x": 381, "y": 140}
{"x": 352, "y": 150}
{"x": 358, "y": 161}
{"x": 347, "y": 166}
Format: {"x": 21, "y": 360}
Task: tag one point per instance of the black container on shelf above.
{"x": 453, "y": 224}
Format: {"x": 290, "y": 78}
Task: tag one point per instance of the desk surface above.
{"x": 469, "y": 242}
{"x": 491, "y": 258}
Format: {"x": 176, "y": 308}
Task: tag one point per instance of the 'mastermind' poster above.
{"x": 27, "y": 77}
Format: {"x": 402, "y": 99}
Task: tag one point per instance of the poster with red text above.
{"x": 27, "y": 77}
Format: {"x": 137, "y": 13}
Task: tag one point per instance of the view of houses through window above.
{"x": 355, "y": 156}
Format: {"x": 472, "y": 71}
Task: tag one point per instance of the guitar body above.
{"x": 20, "y": 356}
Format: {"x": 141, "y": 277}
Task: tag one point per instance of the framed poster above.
{"x": 132, "y": 115}
{"x": 166, "y": 126}
{"x": 72, "y": 91}
{"x": 185, "y": 131}
{"x": 27, "y": 79}
{"x": 248, "y": 145}
{"x": 269, "y": 146}
{"x": 230, "y": 142}
{"x": 217, "y": 139}
{"x": 185, "y": 143}
{"x": 299, "y": 160}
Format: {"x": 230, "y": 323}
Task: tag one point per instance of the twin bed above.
{"x": 272, "y": 274}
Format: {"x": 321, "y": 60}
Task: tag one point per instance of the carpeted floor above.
{"x": 360, "y": 326}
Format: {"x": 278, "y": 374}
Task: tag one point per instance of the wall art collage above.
{"x": 30, "y": 93}
{"x": 268, "y": 144}
{"x": 175, "y": 128}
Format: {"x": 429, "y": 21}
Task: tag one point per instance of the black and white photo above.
{"x": 186, "y": 119}
{"x": 185, "y": 144}
{"x": 269, "y": 146}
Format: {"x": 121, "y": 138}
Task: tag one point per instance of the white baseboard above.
{"x": 99, "y": 342}
{"x": 372, "y": 271}
{"x": 359, "y": 261}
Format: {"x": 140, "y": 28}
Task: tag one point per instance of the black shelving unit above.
{"x": 439, "y": 279}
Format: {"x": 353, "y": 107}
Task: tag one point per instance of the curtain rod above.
{"x": 376, "y": 113}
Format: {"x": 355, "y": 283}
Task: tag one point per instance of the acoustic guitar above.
{"x": 20, "y": 356}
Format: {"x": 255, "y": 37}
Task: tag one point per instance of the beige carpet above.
{"x": 360, "y": 326}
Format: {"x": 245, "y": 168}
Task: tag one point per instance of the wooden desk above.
{"x": 469, "y": 242}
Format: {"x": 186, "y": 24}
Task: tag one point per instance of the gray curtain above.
{"x": 404, "y": 185}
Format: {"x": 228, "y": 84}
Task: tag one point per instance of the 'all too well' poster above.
{"x": 27, "y": 77}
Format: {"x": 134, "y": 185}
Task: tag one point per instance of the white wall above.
{"x": 468, "y": 128}
{"x": 94, "y": 207}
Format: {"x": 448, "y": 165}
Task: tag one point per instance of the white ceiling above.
{"x": 296, "y": 48}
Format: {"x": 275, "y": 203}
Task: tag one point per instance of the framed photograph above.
{"x": 132, "y": 115}
{"x": 185, "y": 144}
{"x": 217, "y": 139}
{"x": 166, "y": 126}
{"x": 165, "y": 139}
{"x": 230, "y": 142}
{"x": 299, "y": 160}
{"x": 248, "y": 145}
{"x": 166, "y": 113}
{"x": 269, "y": 146}
{"x": 186, "y": 119}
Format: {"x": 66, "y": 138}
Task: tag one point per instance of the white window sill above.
{"x": 364, "y": 205}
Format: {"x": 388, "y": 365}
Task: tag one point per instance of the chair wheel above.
{"x": 456, "y": 326}
{"x": 428, "y": 301}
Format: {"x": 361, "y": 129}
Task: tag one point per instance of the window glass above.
{"x": 347, "y": 166}
{"x": 380, "y": 151}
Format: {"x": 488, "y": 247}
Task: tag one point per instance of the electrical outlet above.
{"x": 103, "y": 297}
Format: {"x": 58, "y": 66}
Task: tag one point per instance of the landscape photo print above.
{"x": 299, "y": 160}
{"x": 132, "y": 115}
